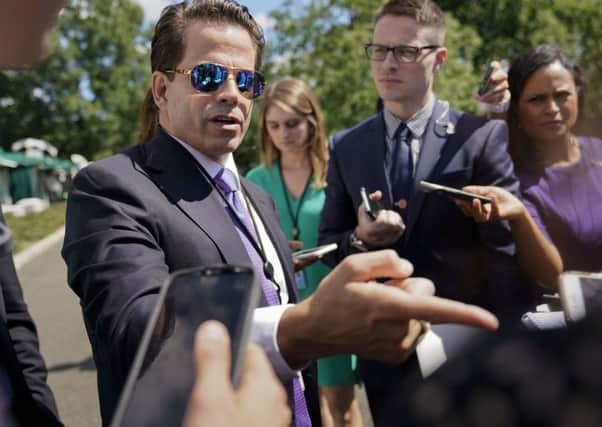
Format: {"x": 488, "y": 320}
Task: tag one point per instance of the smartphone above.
{"x": 454, "y": 193}
{"x": 158, "y": 386}
{"x": 314, "y": 253}
{"x": 580, "y": 293}
{"x": 484, "y": 85}
{"x": 369, "y": 206}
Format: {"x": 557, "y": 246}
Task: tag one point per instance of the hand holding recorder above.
{"x": 377, "y": 227}
{"x": 493, "y": 88}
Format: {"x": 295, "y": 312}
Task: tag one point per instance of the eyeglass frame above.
{"x": 232, "y": 72}
{"x": 416, "y": 51}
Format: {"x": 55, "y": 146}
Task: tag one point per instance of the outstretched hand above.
{"x": 504, "y": 205}
{"x": 352, "y": 313}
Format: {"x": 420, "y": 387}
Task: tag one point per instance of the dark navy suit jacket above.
{"x": 467, "y": 261}
{"x": 132, "y": 219}
{"x": 32, "y": 400}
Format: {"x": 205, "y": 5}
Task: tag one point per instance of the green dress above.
{"x": 335, "y": 370}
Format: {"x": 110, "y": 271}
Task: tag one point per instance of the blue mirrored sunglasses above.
{"x": 209, "y": 77}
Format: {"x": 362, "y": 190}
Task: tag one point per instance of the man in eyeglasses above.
{"x": 419, "y": 137}
{"x": 176, "y": 200}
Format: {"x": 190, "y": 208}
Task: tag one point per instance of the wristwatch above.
{"x": 356, "y": 243}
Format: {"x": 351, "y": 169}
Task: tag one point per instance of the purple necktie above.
{"x": 226, "y": 181}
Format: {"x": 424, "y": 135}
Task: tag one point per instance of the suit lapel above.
{"x": 371, "y": 151}
{"x": 433, "y": 142}
{"x": 179, "y": 177}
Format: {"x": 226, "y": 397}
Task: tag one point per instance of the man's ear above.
{"x": 159, "y": 88}
{"x": 440, "y": 58}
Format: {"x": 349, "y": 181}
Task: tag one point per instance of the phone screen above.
{"x": 484, "y": 84}
{"x": 162, "y": 376}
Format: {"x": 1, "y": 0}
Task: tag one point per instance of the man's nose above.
{"x": 228, "y": 92}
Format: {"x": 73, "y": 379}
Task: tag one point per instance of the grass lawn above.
{"x": 33, "y": 227}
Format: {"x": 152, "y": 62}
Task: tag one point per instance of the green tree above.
{"x": 85, "y": 97}
{"x": 507, "y": 27}
{"x": 324, "y": 45}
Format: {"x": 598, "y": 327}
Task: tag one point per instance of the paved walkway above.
{"x": 64, "y": 344}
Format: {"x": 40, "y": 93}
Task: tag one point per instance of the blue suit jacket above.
{"x": 467, "y": 261}
{"x": 132, "y": 219}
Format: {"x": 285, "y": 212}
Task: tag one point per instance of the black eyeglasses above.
{"x": 209, "y": 77}
{"x": 406, "y": 54}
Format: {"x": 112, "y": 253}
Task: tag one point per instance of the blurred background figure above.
{"x": 294, "y": 157}
{"x": 558, "y": 223}
{"x": 25, "y": 398}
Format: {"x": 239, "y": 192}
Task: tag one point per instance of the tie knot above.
{"x": 226, "y": 181}
{"x": 402, "y": 133}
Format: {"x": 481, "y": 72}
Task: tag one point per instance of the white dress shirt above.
{"x": 265, "y": 319}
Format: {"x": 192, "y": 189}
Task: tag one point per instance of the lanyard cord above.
{"x": 294, "y": 217}
{"x": 268, "y": 269}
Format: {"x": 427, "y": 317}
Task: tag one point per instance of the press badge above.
{"x": 300, "y": 280}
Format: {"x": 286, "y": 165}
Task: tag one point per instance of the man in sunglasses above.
{"x": 176, "y": 201}
{"x": 418, "y": 137}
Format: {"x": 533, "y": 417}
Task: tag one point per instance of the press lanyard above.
{"x": 294, "y": 217}
{"x": 268, "y": 269}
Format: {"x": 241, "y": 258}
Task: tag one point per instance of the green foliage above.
{"x": 323, "y": 44}
{"x": 86, "y": 96}
{"x": 507, "y": 27}
{"x": 29, "y": 229}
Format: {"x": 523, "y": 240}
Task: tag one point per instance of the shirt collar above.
{"x": 417, "y": 123}
{"x": 211, "y": 166}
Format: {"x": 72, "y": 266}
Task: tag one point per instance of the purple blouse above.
{"x": 566, "y": 203}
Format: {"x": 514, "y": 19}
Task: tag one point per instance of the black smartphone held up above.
{"x": 580, "y": 293}
{"x": 370, "y": 207}
{"x": 454, "y": 193}
{"x": 315, "y": 253}
{"x": 484, "y": 85}
{"x": 162, "y": 376}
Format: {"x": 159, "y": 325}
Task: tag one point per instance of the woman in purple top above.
{"x": 558, "y": 224}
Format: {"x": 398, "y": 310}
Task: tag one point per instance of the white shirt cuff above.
{"x": 263, "y": 333}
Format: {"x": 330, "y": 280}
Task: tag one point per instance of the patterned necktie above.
{"x": 402, "y": 165}
{"x": 226, "y": 181}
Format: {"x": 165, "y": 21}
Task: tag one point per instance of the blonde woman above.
{"x": 294, "y": 156}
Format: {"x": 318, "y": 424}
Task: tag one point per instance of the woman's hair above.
{"x": 168, "y": 47}
{"x": 294, "y": 96}
{"x": 521, "y": 146}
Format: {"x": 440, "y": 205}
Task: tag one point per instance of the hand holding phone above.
{"x": 314, "y": 253}
{"x": 485, "y": 84}
{"x": 451, "y": 192}
{"x": 162, "y": 374}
